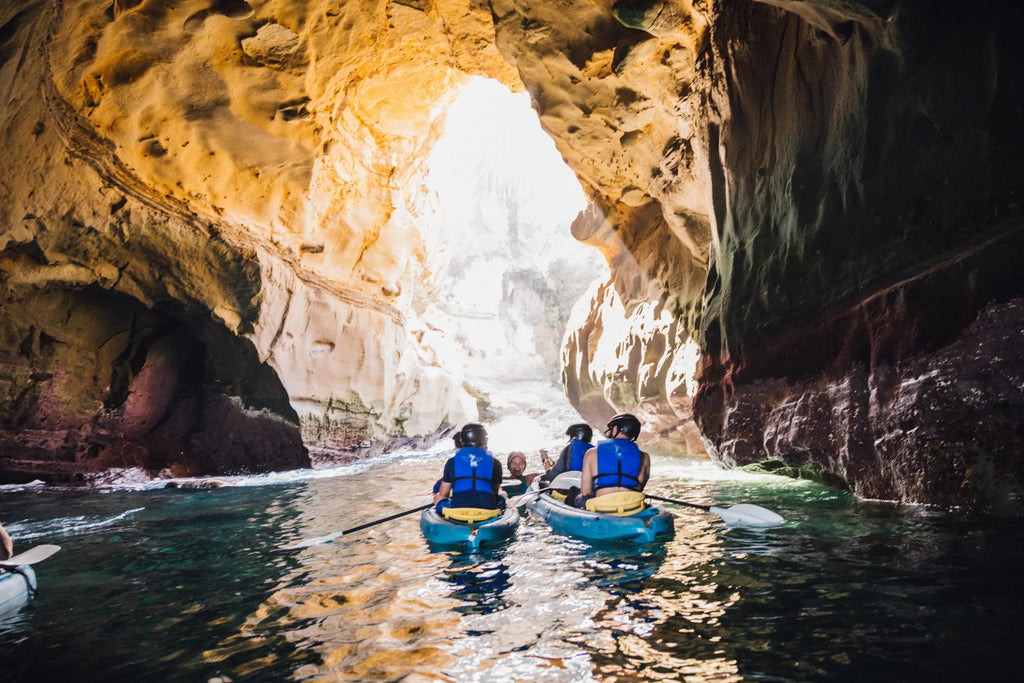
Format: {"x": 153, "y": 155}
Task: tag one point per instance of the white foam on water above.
{"x": 62, "y": 527}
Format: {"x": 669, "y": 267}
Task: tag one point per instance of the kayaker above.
{"x": 614, "y": 465}
{"x": 472, "y": 477}
{"x": 516, "y": 464}
{"x": 6, "y": 544}
{"x": 571, "y": 457}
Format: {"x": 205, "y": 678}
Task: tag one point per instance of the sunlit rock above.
{"x": 844, "y": 179}
{"x": 241, "y": 178}
{"x": 810, "y": 211}
{"x": 614, "y": 362}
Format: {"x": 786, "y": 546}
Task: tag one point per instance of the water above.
{"x": 172, "y": 585}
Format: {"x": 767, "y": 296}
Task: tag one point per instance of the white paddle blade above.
{"x": 567, "y": 480}
{"x": 746, "y": 514}
{"x": 315, "y": 541}
{"x": 37, "y": 554}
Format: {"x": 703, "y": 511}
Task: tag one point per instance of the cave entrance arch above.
{"x": 511, "y": 270}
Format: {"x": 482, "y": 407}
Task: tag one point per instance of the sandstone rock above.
{"x": 811, "y": 211}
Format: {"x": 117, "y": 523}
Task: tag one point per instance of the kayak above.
{"x": 443, "y": 531}
{"x": 646, "y": 526}
{"x": 16, "y": 586}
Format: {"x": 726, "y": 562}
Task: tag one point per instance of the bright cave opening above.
{"x": 511, "y": 270}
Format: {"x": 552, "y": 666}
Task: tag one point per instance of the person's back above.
{"x": 618, "y": 466}
{"x": 615, "y": 465}
{"x": 472, "y": 476}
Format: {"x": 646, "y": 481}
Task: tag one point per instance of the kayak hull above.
{"x": 15, "y": 587}
{"x": 648, "y": 526}
{"x": 442, "y": 531}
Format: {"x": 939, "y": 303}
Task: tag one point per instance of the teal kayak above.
{"x": 646, "y": 526}
{"x": 443, "y": 531}
{"x": 16, "y": 585}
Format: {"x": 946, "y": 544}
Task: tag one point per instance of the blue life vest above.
{"x": 474, "y": 469}
{"x": 618, "y": 464}
{"x": 579, "y": 449}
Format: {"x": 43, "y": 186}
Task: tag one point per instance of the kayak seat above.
{"x": 469, "y": 514}
{"x": 620, "y": 503}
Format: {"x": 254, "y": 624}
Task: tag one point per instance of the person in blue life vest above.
{"x": 571, "y": 457}
{"x": 472, "y": 477}
{"x": 614, "y": 465}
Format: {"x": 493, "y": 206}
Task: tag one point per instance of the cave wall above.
{"x": 843, "y": 178}
{"x": 240, "y": 176}
{"x": 811, "y": 212}
{"x": 861, "y": 306}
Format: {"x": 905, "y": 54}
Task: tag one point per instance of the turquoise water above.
{"x": 173, "y": 584}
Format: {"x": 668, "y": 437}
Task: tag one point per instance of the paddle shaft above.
{"x": 385, "y": 519}
{"x": 518, "y": 500}
{"x": 705, "y": 508}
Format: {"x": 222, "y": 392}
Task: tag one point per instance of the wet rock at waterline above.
{"x": 810, "y": 210}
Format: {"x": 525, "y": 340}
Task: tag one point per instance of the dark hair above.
{"x": 623, "y": 423}
{"x": 580, "y": 431}
{"x": 474, "y": 435}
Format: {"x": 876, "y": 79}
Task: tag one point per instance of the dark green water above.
{"x": 192, "y": 585}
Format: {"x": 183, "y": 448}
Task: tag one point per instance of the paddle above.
{"x": 338, "y": 534}
{"x": 743, "y": 514}
{"x": 521, "y": 499}
{"x": 37, "y": 554}
{"x": 564, "y": 480}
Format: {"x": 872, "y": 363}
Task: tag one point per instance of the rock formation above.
{"x": 811, "y": 211}
{"x": 209, "y": 233}
{"x": 856, "y": 164}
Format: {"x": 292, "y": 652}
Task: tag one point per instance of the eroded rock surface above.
{"x": 856, "y": 165}
{"x": 210, "y": 243}
{"x": 811, "y": 211}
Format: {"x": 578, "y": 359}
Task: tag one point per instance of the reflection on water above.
{"x": 478, "y": 582}
{"x": 195, "y": 585}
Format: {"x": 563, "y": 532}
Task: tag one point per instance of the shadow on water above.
{"x": 145, "y": 581}
{"x": 479, "y": 580}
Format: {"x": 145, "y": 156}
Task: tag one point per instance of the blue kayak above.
{"x": 442, "y": 531}
{"x": 650, "y": 524}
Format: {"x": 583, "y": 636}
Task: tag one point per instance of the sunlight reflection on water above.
{"x": 380, "y": 606}
{"x": 196, "y": 585}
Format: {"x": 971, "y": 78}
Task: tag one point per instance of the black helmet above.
{"x": 623, "y": 423}
{"x": 580, "y": 431}
{"x": 474, "y": 435}
{"x": 457, "y": 438}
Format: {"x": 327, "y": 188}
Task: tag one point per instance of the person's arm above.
{"x": 443, "y": 492}
{"x": 561, "y": 465}
{"x": 589, "y": 472}
{"x": 496, "y": 478}
{"x": 447, "y": 480}
{"x": 645, "y": 470}
{"x": 6, "y": 544}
